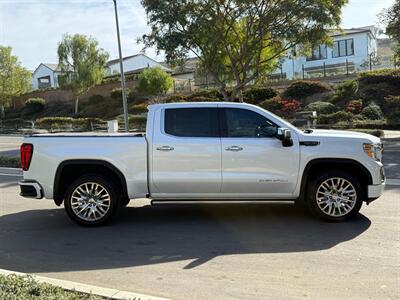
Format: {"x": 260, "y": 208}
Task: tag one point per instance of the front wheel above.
{"x": 335, "y": 196}
{"x": 91, "y": 200}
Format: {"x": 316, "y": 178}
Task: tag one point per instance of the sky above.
{"x": 33, "y": 28}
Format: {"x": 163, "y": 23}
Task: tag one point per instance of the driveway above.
{"x": 231, "y": 251}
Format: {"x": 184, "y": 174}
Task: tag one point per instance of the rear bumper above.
{"x": 30, "y": 189}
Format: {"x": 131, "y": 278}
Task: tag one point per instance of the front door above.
{"x": 254, "y": 162}
{"x": 187, "y": 153}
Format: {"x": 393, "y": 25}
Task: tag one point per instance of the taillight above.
{"x": 26, "y": 156}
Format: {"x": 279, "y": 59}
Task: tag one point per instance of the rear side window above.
{"x": 192, "y": 122}
{"x": 243, "y": 123}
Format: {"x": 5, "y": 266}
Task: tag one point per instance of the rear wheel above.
{"x": 335, "y": 196}
{"x": 91, "y": 200}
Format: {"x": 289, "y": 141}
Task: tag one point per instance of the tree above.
{"x": 14, "y": 79}
{"x": 236, "y": 40}
{"x": 154, "y": 81}
{"x": 391, "y": 17}
{"x": 82, "y": 64}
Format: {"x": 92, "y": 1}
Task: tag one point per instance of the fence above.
{"x": 347, "y": 67}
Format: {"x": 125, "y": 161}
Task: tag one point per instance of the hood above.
{"x": 340, "y": 134}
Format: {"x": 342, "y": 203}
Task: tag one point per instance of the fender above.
{"x": 56, "y": 194}
{"x": 332, "y": 161}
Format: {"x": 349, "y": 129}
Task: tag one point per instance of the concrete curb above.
{"x": 86, "y": 288}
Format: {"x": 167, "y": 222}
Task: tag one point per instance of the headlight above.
{"x": 373, "y": 150}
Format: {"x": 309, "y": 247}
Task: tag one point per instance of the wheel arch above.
{"x": 70, "y": 169}
{"x": 323, "y": 164}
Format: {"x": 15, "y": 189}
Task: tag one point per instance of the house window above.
{"x": 319, "y": 52}
{"x": 343, "y": 48}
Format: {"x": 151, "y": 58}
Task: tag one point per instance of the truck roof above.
{"x": 197, "y": 104}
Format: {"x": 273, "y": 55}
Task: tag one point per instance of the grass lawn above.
{"x": 26, "y": 288}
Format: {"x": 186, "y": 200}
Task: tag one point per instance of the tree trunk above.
{"x": 76, "y": 104}
{"x": 2, "y": 112}
{"x": 224, "y": 94}
{"x": 241, "y": 96}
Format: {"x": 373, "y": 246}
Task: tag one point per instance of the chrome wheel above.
{"x": 336, "y": 197}
{"x": 90, "y": 201}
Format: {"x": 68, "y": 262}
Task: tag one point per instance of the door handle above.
{"x": 234, "y": 148}
{"x": 165, "y": 148}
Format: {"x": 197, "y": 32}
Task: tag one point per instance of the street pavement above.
{"x": 230, "y": 251}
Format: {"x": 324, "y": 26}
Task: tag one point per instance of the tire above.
{"x": 335, "y": 196}
{"x": 91, "y": 200}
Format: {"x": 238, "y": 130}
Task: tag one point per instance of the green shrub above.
{"x": 138, "y": 109}
{"x": 27, "y": 288}
{"x": 387, "y": 75}
{"x": 354, "y": 106}
{"x": 154, "y": 82}
{"x": 95, "y": 99}
{"x": 345, "y": 91}
{"x": 137, "y": 122}
{"x": 272, "y": 105}
{"x": 394, "y": 118}
{"x": 116, "y": 93}
{"x": 372, "y": 112}
{"x": 203, "y": 99}
{"x": 65, "y": 122}
{"x": 321, "y": 107}
{"x": 176, "y": 98}
{"x": 340, "y": 116}
{"x": 35, "y": 104}
{"x": 302, "y": 89}
{"x": 378, "y": 92}
{"x": 391, "y": 104}
{"x": 210, "y": 94}
{"x": 256, "y": 95}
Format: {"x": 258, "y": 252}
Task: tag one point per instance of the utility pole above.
{"x": 121, "y": 66}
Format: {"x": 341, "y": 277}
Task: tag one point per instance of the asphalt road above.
{"x": 231, "y": 251}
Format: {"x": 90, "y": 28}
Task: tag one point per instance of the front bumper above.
{"x": 375, "y": 191}
{"x": 30, "y": 189}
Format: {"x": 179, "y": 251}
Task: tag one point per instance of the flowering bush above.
{"x": 290, "y": 106}
{"x": 281, "y": 106}
{"x": 354, "y": 106}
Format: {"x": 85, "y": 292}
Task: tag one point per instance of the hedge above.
{"x": 386, "y": 75}
{"x": 95, "y": 99}
{"x": 116, "y": 93}
{"x": 302, "y": 89}
{"x": 256, "y": 94}
{"x": 138, "y": 109}
{"x": 63, "y": 122}
{"x": 340, "y": 116}
{"x": 321, "y": 107}
{"x": 35, "y": 104}
{"x": 372, "y": 112}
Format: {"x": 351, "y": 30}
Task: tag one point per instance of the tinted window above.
{"x": 192, "y": 122}
{"x": 247, "y": 123}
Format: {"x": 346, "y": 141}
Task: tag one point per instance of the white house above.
{"x": 133, "y": 64}
{"x": 350, "y": 52}
{"x": 45, "y": 76}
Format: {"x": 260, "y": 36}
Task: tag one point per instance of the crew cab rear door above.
{"x": 254, "y": 162}
{"x": 186, "y": 153}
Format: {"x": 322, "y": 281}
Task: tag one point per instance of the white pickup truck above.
{"x": 205, "y": 151}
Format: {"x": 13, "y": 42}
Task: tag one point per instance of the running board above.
{"x": 219, "y": 201}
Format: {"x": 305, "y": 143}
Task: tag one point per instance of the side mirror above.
{"x": 285, "y": 136}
